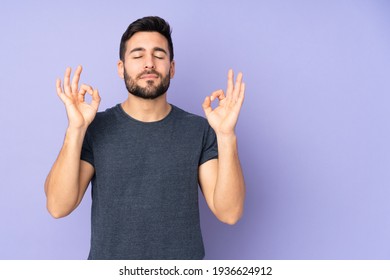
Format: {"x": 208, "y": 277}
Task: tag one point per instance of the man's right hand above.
{"x": 80, "y": 113}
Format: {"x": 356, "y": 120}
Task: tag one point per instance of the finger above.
{"x": 241, "y": 96}
{"x": 67, "y": 88}
{"x": 237, "y": 87}
{"x": 229, "y": 88}
{"x": 58, "y": 87}
{"x": 217, "y": 94}
{"x": 207, "y": 105}
{"x": 83, "y": 90}
{"x": 60, "y": 92}
{"x": 95, "y": 99}
{"x": 76, "y": 78}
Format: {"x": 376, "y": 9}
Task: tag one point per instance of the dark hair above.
{"x": 148, "y": 24}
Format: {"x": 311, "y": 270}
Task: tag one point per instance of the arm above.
{"x": 221, "y": 180}
{"x": 69, "y": 177}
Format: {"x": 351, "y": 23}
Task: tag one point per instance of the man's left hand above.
{"x": 223, "y": 118}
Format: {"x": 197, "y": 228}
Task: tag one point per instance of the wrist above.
{"x": 226, "y": 137}
{"x": 75, "y": 133}
{"x": 76, "y": 128}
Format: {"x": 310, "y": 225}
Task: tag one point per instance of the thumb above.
{"x": 207, "y": 106}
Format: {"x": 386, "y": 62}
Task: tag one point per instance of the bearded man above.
{"x": 146, "y": 158}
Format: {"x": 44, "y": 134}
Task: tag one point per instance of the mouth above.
{"x": 148, "y": 76}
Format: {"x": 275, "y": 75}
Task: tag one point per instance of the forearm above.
{"x": 62, "y": 184}
{"x": 229, "y": 193}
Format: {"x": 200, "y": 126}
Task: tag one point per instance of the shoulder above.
{"x": 105, "y": 118}
{"x": 188, "y": 118}
{"x": 108, "y": 113}
{"x": 194, "y": 126}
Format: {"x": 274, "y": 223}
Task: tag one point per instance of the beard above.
{"x": 151, "y": 90}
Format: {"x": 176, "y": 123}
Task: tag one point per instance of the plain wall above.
{"x": 313, "y": 133}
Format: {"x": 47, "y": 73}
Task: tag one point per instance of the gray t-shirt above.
{"x": 145, "y": 187}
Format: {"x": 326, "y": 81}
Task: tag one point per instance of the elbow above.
{"x": 230, "y": 218}
{"x": 57, "y": 213}
{"x": 57, "y": 207}
{"x": 231, "y": 221}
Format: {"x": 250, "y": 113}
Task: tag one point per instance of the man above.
{"x": 146, "y": 157}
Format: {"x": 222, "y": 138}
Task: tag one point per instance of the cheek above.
{"x": 132, "y": 69}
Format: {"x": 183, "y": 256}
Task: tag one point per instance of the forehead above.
{"x": 147, "y": 40}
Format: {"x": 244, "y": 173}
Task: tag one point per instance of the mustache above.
{"x": 148, "y": 72}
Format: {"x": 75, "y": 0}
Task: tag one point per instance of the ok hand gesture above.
{"x": 80, "y": 113}
{"x": 224, "y": 117}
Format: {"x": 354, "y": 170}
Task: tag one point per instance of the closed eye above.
{"x": 159, "y": 53}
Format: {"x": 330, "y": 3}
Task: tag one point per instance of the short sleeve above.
{"x": 86, "y": 151}
{"x": 210, "y": 147}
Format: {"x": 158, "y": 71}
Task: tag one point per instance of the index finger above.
{"x": 76, "y": 78}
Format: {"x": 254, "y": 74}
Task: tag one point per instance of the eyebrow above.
{"x": 156, "y": 49}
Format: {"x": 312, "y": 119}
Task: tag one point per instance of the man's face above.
{"x": 146, "y": 69}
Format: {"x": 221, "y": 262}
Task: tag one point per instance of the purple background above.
{"x": 313, "y": 134}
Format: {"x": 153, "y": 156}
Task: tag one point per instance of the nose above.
{"x": 149, "y": 63}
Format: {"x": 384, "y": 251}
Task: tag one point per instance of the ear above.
{"x": 121, "y": 69}
{"x": 172, "y": 69}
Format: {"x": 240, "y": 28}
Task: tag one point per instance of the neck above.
{"x": 146, "y": 110}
